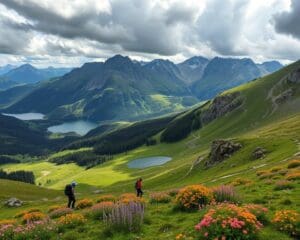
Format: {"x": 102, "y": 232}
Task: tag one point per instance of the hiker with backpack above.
{"x": 70, "y": 193}
{"x": 138, "y": 187}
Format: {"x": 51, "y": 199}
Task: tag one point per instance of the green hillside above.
{"x": 261, "y": 114}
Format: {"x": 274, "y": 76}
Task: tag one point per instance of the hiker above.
{"x": 138, "y": 187}
{"x": 70, "y": 193}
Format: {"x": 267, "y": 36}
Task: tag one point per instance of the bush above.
{"x": 99, "y": 210}
{"x": 282, "y": 185}
{"x": 42, "y": 230}
{"x": 193, "y": 197}
{"x": 241, "y": 181}
{"x": 7, "y": 222}
{"x": 225, "y": 193}
{"x": 259, "y": 211}
{"x": 294, "y": 164}
{"x": 22, "y": 213}
{"x": 160, "y": 197}
{"x": 275, "y": 169}
{"x": 33, "y": 217}
{"x": 286, "y": 221}
{"x": 293, "y": 175}
{"x": 54, "y": 207}
{"x": 84, "y": 203}
{"x": 60, "y": 212}
{"x": 229, "y": 222}
{"x": 173, "y": 192}
{"x": 126, "y": 217}
{"x": 107, "y": 198}
{"x": 130, "y": 197}
{"x": 71, "y": 220}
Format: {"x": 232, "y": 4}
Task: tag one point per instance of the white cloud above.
{"x": 73, "y": 31}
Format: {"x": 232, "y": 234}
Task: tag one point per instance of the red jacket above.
{"x": 139, "y": 184}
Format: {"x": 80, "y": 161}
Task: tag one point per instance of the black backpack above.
{"x": 68, "y": 190}
{"x": 136, "y": 185}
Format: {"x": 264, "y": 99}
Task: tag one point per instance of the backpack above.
{"x": 68, "y": 190}
{"x": 136, "y": 185}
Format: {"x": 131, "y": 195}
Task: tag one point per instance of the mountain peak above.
{"x": 118, "y": 59}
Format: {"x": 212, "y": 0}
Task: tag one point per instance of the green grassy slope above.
{"x": 258, "y": 122}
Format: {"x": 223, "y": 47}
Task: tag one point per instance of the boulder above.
{"x": 220, "y": 150}
{"x": 294, "y": 77}
{"x": 285, "y": 96}
{"x": 259, "y": 153}
{"x": 13, "y": 202}
{"x": 220, "y": 106}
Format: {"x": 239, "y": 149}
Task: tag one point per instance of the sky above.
{"x": 70, "y": 32}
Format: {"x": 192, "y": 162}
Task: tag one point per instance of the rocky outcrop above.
{"x": 13, "y": 202}
{"x": 259, "y": 153}
{"x": 285, "y": 96}
{"x": 220, "y": 150}
{"x": 294, "y": 77}
{"x": 220, "y": 106}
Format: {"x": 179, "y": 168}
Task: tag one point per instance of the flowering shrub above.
{"x": 225, "y": 193}
{"x": 228, "y": 221}
{"x": 294, "y": 164}
{"x": 286, "y": 221}
{"x": 259, "y": 211}
{"x": 126, "y": 217}
{"x": 33, "y": 217}
{"x": 193, "y": 197}
{"x": 60, "y": 212}
{"x": 241, "y": 181}
{"x": 35, "y": 230}
{"x": 107, "y": 198}
{"x": 160, "y": 197}
{"x": 22, "y": 213}
{"x": 7, "y": 222}
{"x": 293, "y": 176}
{"x": 283, "y": 184}
{"x": 130, "y": 197}
{"x": 173, "y": 192}
{"x": 54, "y": 207}
{"x": 84, "y": 203}
{"x": 71, "y": 220}
{"x": 100, "y": 209}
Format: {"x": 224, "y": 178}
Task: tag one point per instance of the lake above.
{"x": 80, "y": 127}
{"x": 26, "y": 116}
{"x": 148, "y": 162}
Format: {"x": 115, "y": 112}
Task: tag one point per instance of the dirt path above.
{"x": 192, "y": 143}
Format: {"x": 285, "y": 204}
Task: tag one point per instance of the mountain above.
{"x": 14, "y": 94}
{"x": 223, "y": 73}
{"x": 28, "y": 74}
{"x": 6, "y": 68}
{"x": 116, "y": 89}
{"x": 192, "y": 69}
{"x": 269, "y": 67}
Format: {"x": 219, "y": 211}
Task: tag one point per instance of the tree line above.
{"x": 21, "y": 176}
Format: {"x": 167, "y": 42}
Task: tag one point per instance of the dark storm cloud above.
{"x": 289, "y": 22}
{"x": 221, "y": 24}
{"x": 134, "y": 25}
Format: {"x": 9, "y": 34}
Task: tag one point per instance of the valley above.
{"x": 260, "y": 119}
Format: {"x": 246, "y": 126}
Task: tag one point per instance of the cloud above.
{"x": 288, "y": 22}
{"x": 77, "y": 30}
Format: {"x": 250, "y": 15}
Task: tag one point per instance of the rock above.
{"x": 259, "y": 153}
{"x": 220, "y": 150}
{"x": 220, "y": 106}
{"x": 98, "y": 191}
{"x": 294, "y": 77}
{"x": 285, "y": 96}
{"x": 13, "y": 202}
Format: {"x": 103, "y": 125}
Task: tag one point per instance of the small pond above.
{"x": 26, "y": 116}
{"x": 80, "y": 127}
{"x": 148, "y": 162}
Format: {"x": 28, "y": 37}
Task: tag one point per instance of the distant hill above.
{"x": 6, "y": 68}
{"x": 28, "y": 74}
{"x": 221, "y": 74}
